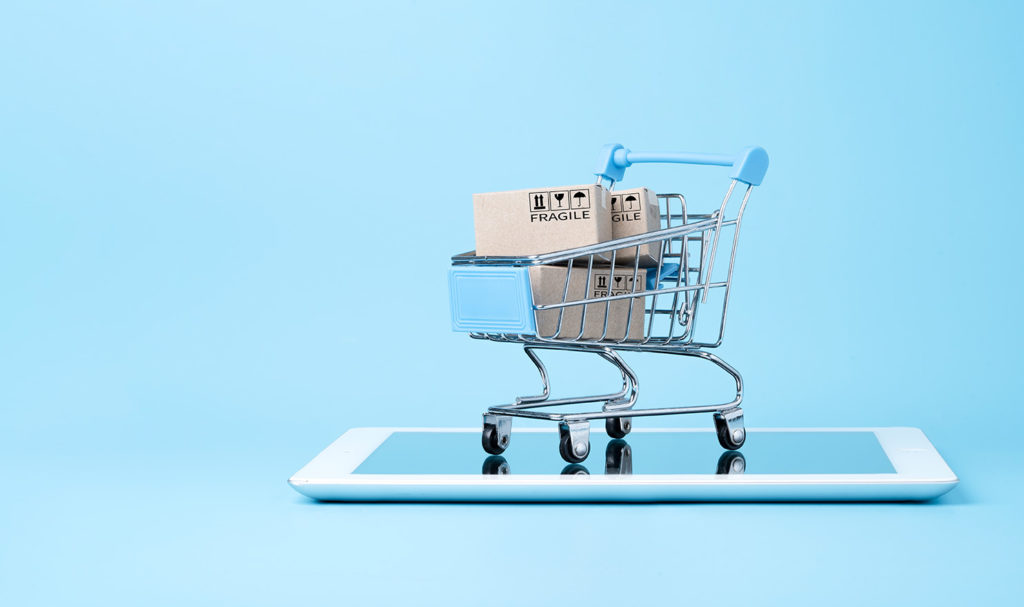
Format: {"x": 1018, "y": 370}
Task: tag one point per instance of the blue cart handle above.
{"x": 749, "y": 166}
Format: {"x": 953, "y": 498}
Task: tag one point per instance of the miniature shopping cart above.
{"x": 677, "y": 306}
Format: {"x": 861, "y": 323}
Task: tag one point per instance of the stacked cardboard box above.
{"x": 625, "y": 317}
{"x": 635, "y": 212}
{"x": 529, "y": 222}
{"x": 544, "y": 220}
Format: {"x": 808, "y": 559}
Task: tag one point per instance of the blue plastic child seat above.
{"x": 491, "y": 299}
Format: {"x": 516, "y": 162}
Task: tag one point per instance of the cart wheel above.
{"x": 575, "y": 470}
{"x": 569, "y": 452}
{"x": 493, "y": 443}
{"x": 733, "y": 438}
{"x": 496, "y": 464}
{"x": 618, "y": 427}
{"x": 618, "y": 457}
{"x": 731, "y": 462}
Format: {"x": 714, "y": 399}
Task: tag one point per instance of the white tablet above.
{"x": 649, "y": 465}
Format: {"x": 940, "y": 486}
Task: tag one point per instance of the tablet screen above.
{"x": 853, "y": 452}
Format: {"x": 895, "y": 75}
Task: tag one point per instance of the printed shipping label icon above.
{"x": 548, "y": 284}
{"x": 635, "y": 212}
{"x": 542, "y": 220}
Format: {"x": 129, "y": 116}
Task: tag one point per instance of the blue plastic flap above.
{"x": 491, "y": 299}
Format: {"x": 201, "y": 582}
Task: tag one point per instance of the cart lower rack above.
{"x": 677, "y": 306}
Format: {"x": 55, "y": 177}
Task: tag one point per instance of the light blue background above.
{"x": 225, "y": 237}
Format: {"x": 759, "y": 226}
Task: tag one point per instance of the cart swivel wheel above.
{"x": 618, "y": 427}
{"x": 730, "y": 438}
{"x": 493, "y": 442}
{"x": 571, "y": 453}
{"x": 575, "y": 470}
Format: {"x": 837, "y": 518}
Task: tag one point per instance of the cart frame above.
{"x": 692, "y": 240}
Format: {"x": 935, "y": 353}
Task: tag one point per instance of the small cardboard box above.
{"x": 541, "y": 220}
{"x": 548, "y": 284}
{"x": 635, "y": 212}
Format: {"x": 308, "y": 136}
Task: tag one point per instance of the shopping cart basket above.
{"x": 655, "y": 309}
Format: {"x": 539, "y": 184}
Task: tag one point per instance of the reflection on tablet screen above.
{"x": 639, "y": 453}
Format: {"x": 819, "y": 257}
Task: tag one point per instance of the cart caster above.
{"x": 730, "y": 430}
{"x": 618, "y": 458}
{"x": 574, "y": 441}
{"x": 731, "y": 462}
{"x": 575, "y": 470}
{"x": 497, "y": 434}
{"x": 496, "y": 464}
{"x": 618, "y": 427}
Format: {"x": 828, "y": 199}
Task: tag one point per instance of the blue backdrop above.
{"x": 225, "y": 237}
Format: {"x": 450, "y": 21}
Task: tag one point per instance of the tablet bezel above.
{"x": 914, "y": 458}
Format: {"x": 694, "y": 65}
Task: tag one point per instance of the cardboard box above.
{"x": 541, "y": 220}
{"x": 634, "y": 212}
{"x": 548, "y": 284}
